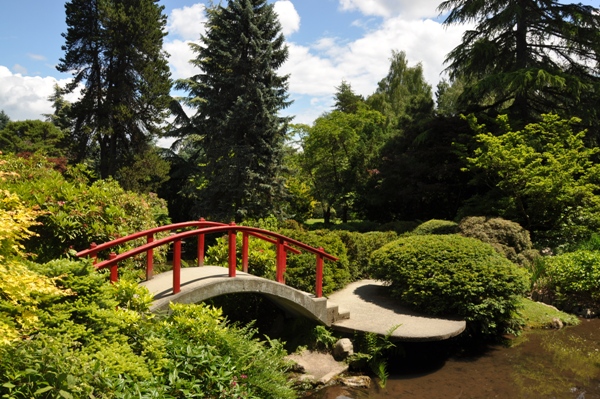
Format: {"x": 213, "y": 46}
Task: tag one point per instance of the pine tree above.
{"x": 114, "y": 48}
{"x": 527, "y": 57}
{"x": 4, "y": 119}
{"x": 238, "y": 95}
{"x": 346, "y": 100}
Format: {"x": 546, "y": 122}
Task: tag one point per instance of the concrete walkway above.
{"x": 371, "y": 310}
{"x": 361, "y": 306}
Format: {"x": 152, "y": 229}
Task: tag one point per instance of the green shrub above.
{"x": 360, "y": 246}
{"x": 262, "y": 255}
{"x": 590, "y": 243}
{"x": 74, "y": 213}
{"x": 507, "y": 237}
{"x": 399, "y": 226}
{"x": 574, "y": 276}
{"x": 358, "y": 226}
{"x": 452, "y": 275}
{"x": 301, "y": 269}
{"x": 436, "y": 226}
{"x": 81, "y": 344}
{"x": 210, "y": 359}
{"x": 94, "y": 342}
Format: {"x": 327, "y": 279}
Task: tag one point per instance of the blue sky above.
{"x": 329, "y": 41}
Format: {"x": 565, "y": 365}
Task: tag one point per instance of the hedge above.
{"x": 452, "y": 275}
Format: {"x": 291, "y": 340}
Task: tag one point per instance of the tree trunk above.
{"x": 327, "y": 214}
{"x": 345, "y": 214}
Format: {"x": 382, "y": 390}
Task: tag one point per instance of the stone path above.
{"x": 365, "y": 303}
{"x": 371, "y": 310}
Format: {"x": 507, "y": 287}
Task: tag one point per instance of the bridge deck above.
{"x": 370, "y": 309}
{"x": 374, "y": 311}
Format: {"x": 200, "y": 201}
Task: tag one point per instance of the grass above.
{"x": 539, "y": 315}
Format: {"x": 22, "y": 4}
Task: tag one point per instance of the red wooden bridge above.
{"x": 201, "y": 229}
{"x": 372, "y": 310}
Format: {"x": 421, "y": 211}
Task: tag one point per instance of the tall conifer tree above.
{"x": 528, "y": 57}
{"x": 238, "y": 95}
{"x": 114, "y": 49}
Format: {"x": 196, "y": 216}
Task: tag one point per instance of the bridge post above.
{"x": 176, "y": 266}
{"x": 149, "y": 258}
{"x": 232, "y": 251}
{"x": 319, "y": 283}
{"x": 114, "y": 269}
{"x": 201, "y": 245}
{"x": 245, "y": 252}
{"x": 281, "y": 260}
{"x": 201, "y": 249}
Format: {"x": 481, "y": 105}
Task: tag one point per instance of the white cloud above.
{"x": 26, "y": 97}
{"x": 318, "y": 69}
{"x": 36, "y": 57}
{"x": 390, "y": 8}
{"x": 188, "y": 22}
{"x": 19, "y": 69}
{"x": 288, "y": 16}
{"x": 179, "y": 60}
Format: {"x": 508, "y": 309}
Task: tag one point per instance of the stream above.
{"x": 539, "y": 364}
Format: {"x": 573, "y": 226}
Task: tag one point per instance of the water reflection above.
{"x": 541, "y": 364}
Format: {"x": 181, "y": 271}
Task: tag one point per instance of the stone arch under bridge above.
{"x": 201, "y": 283}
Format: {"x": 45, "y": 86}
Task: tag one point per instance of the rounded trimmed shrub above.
{"x": 507, "y": 237}
{"x": 436, "y": 226}
{"x": 452, "y": 275}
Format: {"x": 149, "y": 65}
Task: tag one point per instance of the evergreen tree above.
{"x": 4, "y": 119}
{"x": 238, "y": 95}
{"x": 346, "y": 100}
{"x": 527, "y": 57}
{"x": 114, "y": 48}
{"x": 61, "y": 118}
{"x": 31, "y": 136}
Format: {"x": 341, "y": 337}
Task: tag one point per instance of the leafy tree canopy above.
{"x": 548, "y": 181}
{"x": 338, "y": 151}
{"x": 403, "y": 95}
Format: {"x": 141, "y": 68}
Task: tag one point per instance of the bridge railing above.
{"x": 283, "y": 245}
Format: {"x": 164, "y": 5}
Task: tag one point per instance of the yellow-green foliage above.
{"x": 15, "y": 220}
{"x": 102, "y": 342}
{"x": 546, "y": 173}
{"x": 574, "y": 276}
{"x": 21, "y": 291}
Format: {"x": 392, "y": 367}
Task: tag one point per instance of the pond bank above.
{"x": 540, "y": 364}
